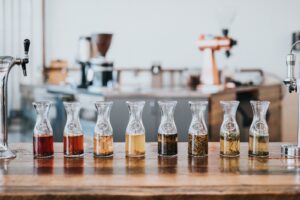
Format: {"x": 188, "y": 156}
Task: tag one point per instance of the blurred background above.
{"x": 88, "y": 50}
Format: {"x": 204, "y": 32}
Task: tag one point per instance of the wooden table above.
{"x": 150, "y": 178}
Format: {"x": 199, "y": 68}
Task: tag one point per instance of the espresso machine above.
{"x": 83, "y": 58}
{"x": 6, "y": 64}
{"x": 209, "y": 44}
{"x": 101, "y": 67}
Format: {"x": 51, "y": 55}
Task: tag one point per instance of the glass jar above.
{"x": 229, "y": 133}
{"x": 73, "y": 133}
{"x": 198, "y": 137}
{"x": 42, "y": 133}
{"x": 167, "y": 131}
{"x": 259, "y": 130}
{"x": 135, "y": 131}
{"x": 103, "y": 133}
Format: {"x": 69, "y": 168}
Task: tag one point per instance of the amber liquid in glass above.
{"x": 135, "y": 145}
{"x": 167, "y": 144}
{"x": 259, "y": 145}
{"x": 198, "y": 145}
{"x": 103, "y": 145}
{"x": 73, "y": 145}
{"x": 43, "y": 146}
{"x": 230, "y": 145}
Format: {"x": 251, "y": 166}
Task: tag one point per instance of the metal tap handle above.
{"x": 25, "y": 60}
{"x": 26, "y": 47}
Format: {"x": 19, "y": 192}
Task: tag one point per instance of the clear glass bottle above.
{"x": 198, "y": 137}
{"x": 103, "y": 132}
{"x": 229, "y": 133}
{"x": 135, "y": 131}
{"x": 73, "y": 133}
{"x": 167, "y": 131}
{"x": 259, "y": 130}
{"x": 42, "y": 133}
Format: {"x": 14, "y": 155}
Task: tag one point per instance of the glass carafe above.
{"x": 103, "y": 133}
{"x": 229, "y": 133}
{"x": 73, "y": 134}
{"x": 167, "y": 131}
{"x": 135, "y": 131}
{"x": 42, "y": 133}
{"x": 198, "y": 137}
{"x": 259, "y": 130}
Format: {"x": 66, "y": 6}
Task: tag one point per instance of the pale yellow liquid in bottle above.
{"x": 135, "y": 145}
{"x": 103, "y": 145}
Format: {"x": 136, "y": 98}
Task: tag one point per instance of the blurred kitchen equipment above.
{"x": 57, "y": 72}
{"x": 157, "y": 76}
{"x": 208, "y": 45}
{"x": 6, "y": 64}
{"x": 295, "y": 38}
{"x": 244, "y": 77}
{"x": 102, "y": 68}
{"x": 193, "y": 78}
{"x": 293, "y": 85}
{"x": 84, "y": 56}
{"x": 160, "y": 77}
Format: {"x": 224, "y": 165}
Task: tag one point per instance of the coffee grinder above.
{"x": 83, "y": 58}
{"x": 209, "y": 45}
{"x": 102, "y": 68}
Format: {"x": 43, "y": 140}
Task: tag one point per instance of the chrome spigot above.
{"x": 6, "y": 64}
{"x": 292, "y": 83}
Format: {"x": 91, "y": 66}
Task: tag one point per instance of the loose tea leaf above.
{"x": 258, "y": 145}
{"x": 230, "y": 144}
{"x": 103, "y": 145}
{"x": 198, "y": 145}
{"x": 167, "y": 144}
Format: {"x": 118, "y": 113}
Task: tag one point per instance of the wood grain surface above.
{"x": 153, "y": 177}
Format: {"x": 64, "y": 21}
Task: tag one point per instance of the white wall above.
{"x": 166, "y": 30}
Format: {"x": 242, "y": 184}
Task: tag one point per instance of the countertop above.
{"x": 202, "y": 92}
{"x": 154, "y": 177}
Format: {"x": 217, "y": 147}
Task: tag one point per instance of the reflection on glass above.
{"x": 258, "y": 164}
{"x": 103, "y": 165}
{"x": 135, "y": 165}
{"x": 43, "y": 166}
{"x": 4, "y": 166}
{"x": 73, "y": 166}
{"x": 229, "y": 165}
{"x": 167, "y": 165}
{"x": 198, "y": 164}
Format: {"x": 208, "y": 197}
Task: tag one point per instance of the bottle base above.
{"x": 136, "y": 156}
{"x": 74, "y": 156}
{"x": 198, "y": 156}
{"x": 5, "y": 153}
{"x": 229, "y": 156}
{"x": 103, "y": 156}
{"x": 43, "y": 157}
{"x": 258, "y": 155}
{"x": 169, "y": 156}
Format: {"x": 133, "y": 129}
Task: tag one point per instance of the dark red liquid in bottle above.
{"x": 43, "y": 146}
{"x": 73, "y": 145}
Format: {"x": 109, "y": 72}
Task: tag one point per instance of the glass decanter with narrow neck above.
{"x": 198, "y": 137}
{"x": 73, "y": 133}
{"x": 167, "y": 131}
{"x": 103, "y": 133}
{"x": 229, "y": 133}
{"x": 259, "y": 130}
{"x": 135, "y": 131}
{"x": 42, "y": 133}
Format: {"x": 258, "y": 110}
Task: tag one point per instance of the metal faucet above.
{"x": 293, "y": 85}
{"x": 6, "y": 64}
